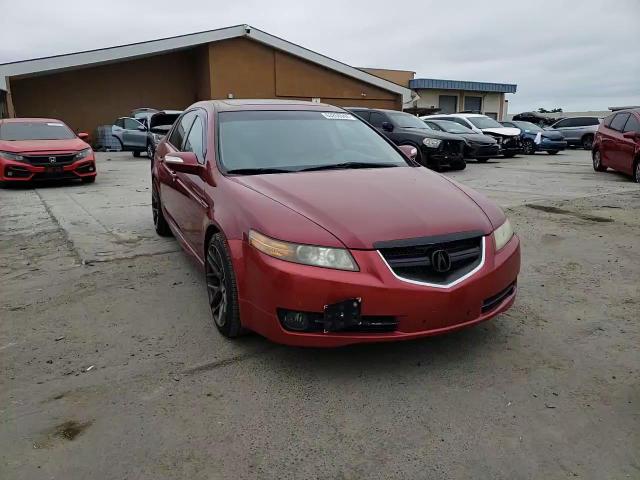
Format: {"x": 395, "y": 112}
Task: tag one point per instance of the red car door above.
{"x": 193, "y": 213}
{"x": 173, "y": 192}
{"x": 629, "y": 145}
{"x": 614, "y": 145}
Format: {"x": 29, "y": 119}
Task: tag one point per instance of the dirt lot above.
{"x": 111, "y": 367}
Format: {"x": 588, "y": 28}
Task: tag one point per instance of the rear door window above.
{"x": 567, "y": 122}
{"x": 618, "y": 122}
{"x": 632, "y": 125}
{"x": 131, "y": 124}
{"x": 195, "y": 141}
{"x": 180, "y": 129}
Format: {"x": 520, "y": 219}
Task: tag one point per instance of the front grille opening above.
{"x": 415, "y": 262}
{"x": 314, "y": 322}
{"x": 17, "y": 172}
{"x": 493, "y": 302}
{"x": 42, "y": 160}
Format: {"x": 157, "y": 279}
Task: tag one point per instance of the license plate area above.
{"x": 53, "y": 170}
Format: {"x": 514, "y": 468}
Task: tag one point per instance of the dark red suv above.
{"x": 617, "y": 143}
{"x": 316, "y": 230}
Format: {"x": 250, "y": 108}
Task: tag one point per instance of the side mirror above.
{"x": 184, "y": 162}
{"x": 83, "y": 135}
{"x": 387, "y": 127}
{"x": 631, "y": 135}
{"x": 409, "y": 151}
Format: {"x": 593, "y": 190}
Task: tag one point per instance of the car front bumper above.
{"x": 266, "y": 284}
{"x": 12, "y": 171}
{"x": 551, "y": 145}
{"x": 481, "y": 151}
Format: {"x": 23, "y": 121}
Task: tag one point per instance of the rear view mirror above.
{"x": 83, "y": 135}
{"x": 185, "y": 162}
{"x": 409, "y": 151}
{"x": 387, "y": 127}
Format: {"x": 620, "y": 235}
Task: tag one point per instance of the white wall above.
{"x": 491, "y": 102}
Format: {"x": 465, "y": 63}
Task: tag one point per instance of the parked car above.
{"x": 478, "y": 145}
{"x": 158, "y": 125}
{"x": 535, "y": 139}
{"x": 508, "y": 138}
{"x": 314, "y": 229}
{"x": 578, "y": 130}
{"x": 143, "y": 113}
{"x": 534, "y": 117}
{"x": 132, "y": 135}
{"x": 435, "y": 149}
{"x": 43, "y": 149}
{"x": 617, "y": 143}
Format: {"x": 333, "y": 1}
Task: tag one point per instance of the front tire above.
{"x": 636, "y": 171}
{"x": 136, "y": 153}
{"x": 159, "y": 222}
{"x": 221, "y": 287}
{"x": 528, "y": 147}
{"x": 587, "y": 142}
{"x": 461, "y": 165}
{"x": 150, "y": 150}
{"x": 598, "y": 166}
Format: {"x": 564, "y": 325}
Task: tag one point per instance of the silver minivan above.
{"x": 578, "y": 130}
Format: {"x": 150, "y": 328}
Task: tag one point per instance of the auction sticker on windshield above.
{"x": 338, "y": 116}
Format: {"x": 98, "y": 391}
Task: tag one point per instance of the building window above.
{"x": 473, "y": 104}
{"x": 448, "y": 103}
{"x": 493, "y": 115}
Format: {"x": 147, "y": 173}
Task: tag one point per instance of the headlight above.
{"x": 83, "y": 154}
{"x": 503, "y": 234}
{"x": 431, "y": 142}
{"x": 12, "y": 156}
{"x": 337, "y": 258}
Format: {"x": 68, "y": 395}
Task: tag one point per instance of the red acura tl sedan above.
{"x": 617, "y": 143}
{"x": 43, "y": 149}
{"x": 314, "y": 230}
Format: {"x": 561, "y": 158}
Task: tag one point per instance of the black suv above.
{"x": 435, "y": 149}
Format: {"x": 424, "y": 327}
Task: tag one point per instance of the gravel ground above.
{"x": 111, "y": 367}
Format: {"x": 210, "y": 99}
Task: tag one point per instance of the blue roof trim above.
{"x": 419, "y": 83}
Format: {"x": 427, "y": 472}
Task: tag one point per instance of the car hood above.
{"x": 504, "y": 131}
{"x": 478, "y": 138}
{"x": 34, "y": 146}
{"x": 427, "y": 132}
{"x": 364, "y": 206}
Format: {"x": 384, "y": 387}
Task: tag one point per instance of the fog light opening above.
{"x": 296, "y": 321}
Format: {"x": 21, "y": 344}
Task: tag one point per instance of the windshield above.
{"x": 406, "y": 120}
{"x": 532, "y": 127}
{"x": 453, "y": 127}
{"x": 484, "y": 122}
{"x": 35, "y": 131}
{"x": 298, "y": 140}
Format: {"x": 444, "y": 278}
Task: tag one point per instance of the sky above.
{"x": 577, "y": 55}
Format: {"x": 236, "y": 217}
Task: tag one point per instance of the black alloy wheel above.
{"x": 150, "y": 150}
{"x": 597, "y": 161}
{"x": 636, "y": 171}
{"x": 587, "y": 142}
{"x": 528, "y": 147}
{"x": 159, "y": 222}
{"x": 221, "y": 287}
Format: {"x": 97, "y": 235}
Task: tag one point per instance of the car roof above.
{"x": 265, "y": 104}
{"x": 32, "y": 120}
{"x": 463, "y": 115}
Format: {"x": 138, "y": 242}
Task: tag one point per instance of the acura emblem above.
{"x": 52, "y": 159}
{"x": 440, "y": 261}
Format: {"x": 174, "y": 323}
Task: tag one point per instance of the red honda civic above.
{"x": 43, "y": 149}
{"x": 313, "y": 229}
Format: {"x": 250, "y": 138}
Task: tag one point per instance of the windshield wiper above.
{"x": 336, "y": 166}
{"x": 258, "y": 171}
